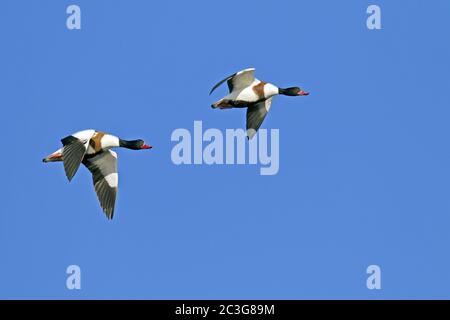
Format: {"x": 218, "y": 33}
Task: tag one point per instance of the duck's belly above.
{"x": 245, "y": 95}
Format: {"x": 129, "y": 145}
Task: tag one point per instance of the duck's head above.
{"x": 293, "y": 92}
{"x": 134, "y": 144}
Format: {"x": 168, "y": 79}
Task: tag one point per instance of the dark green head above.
{"x": 293, "y": 92}
{"x": 134, "y": 144}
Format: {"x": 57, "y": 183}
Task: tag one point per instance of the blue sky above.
{"x": 364, "y": 163}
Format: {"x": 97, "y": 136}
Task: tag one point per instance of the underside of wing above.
{"x": 238, "y": 80}
{"x": 72, "y": 154}
{"x": 103, "y": 167}
{"x": 256, "y": 115}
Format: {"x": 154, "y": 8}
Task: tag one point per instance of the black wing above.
{"x": 72, "y": 154}
{"x": 103, "y": 167}
{"x": 256, "y": 115}
{"x": 230, "y": 86}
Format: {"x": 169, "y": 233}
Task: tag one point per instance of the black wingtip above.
{"x": 109, "y": 212}
{"x": 65, "y": 141}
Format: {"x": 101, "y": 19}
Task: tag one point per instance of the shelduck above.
{"x": 248, "y": 92}
{"x": 93, "y": 149}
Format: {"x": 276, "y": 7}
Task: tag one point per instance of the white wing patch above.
{"x": 112, "y": 179}
{"x": 267, "y": 104}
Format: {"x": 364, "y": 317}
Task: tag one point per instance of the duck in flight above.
{"x": 248, "y": 92}
{"x": 93, "y": 149}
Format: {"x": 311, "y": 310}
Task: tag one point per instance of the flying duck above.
{"x": 93, "y": 149}
{"x": 248, "y": 92}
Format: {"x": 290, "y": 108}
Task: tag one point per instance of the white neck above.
{"x": 270, "y": 90}
{"x": 110, "y": 141}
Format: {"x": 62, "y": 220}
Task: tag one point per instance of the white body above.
{"x": 107, "y": 141}
{"x": 247, "y": 94}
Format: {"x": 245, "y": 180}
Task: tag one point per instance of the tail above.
{"x": 222, "y": 104}
{"x": 54, "y": 157}
{"x": 215, "y": 105}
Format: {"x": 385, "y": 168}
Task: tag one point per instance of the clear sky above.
{"x": 364, "y": 160}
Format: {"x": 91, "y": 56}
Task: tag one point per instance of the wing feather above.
{"x": 256, "y": 115}
{"x": 238, "y": 80}
{"x": 72, "y": 154}
{"x": 103, "y": 167}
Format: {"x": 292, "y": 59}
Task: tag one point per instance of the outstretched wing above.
{"x": 238, "y": 80}
{"x": 255, "y": 116}
{"x": 103, "y": 167}
{"x": 72, "y": 154}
